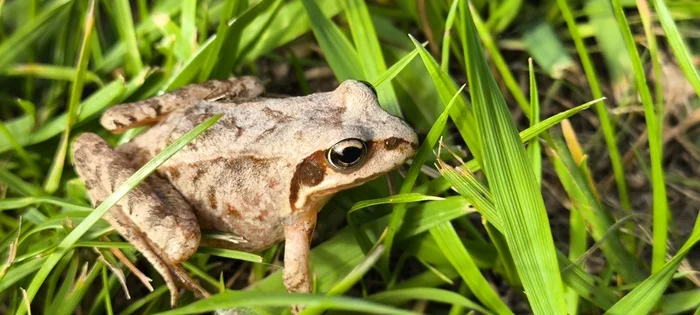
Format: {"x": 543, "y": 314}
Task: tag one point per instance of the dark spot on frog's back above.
{"x": 278, "y": 116}
{"x": 233, "y": 211}
{"x": 309, "y": 172}
{"x": 212, "y": 197}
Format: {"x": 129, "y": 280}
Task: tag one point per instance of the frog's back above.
{"x": 236, "y": 173}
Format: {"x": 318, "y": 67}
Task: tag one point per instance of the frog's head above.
{"x": 362, "y": 143}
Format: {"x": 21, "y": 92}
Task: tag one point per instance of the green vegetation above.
{"x": 519, "y": 199}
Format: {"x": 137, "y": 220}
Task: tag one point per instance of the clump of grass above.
{"x": 516, "y": 222}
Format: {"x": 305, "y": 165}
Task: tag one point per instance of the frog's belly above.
{"x": 257, "y": 232}
{"x": 242, "y": 196}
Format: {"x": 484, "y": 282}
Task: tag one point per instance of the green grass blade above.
{"x": 53, "y": 178}
{"x": 188, "y": 27}
{"x": 49, "y": 72}
{"x": 498, "y": 60}
{"x": 119, "y": 193}
{"x": 425, "y": 149}
{"x": 447, "y": 39}
{"x": 400, "y": 296}
{"x": 547, "y": 50}
{"x": 232, "y": 299}
{"x": 678, "y": 47}
{"x": 450, "y": 244}
{"x": 461, "y": 113}
{"x": 127, "y": 33}
{"x": 481, "y": 199}
{"x": 16, "y": 45}
{"x": 394, "y": 70}
{"x": 369, "y": 51}
{"x": 400, "y": 198}
{"x": 89, "y": 107}
{"x": 601, "y": 108}
{"x": 660, "y": 205}
{"x": 339, "y": 52}
{"x": 644, "y": 297}
{"x": 513, "y": 184}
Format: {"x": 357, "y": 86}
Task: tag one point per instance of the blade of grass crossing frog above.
{"x": 447, "y": 38}
{"x": 53, "y": 178}
{"x": 645, "y": 296}
{"x": 678, "y": 47}
{"x": 16, "y": 45}
{"x": 396, "y": 297}
{"x": 660, "y": 210}
{"x": 513, "y": 185}
{"x": 232, "y": 299}
{"x": 339, "y": 52}
{"x": 419, "y": 159}
{"x": 127, "y": 34}
{"x": 499, "y": 62}
{"x": 369, "y": 51}
{"x": 120, "y": 192}
{"x": 451, "y": 246}
{"x": 601, "y": 108}
{"x": 461, "y": 113}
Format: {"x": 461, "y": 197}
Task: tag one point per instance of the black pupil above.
{"x": 348, "y": 155}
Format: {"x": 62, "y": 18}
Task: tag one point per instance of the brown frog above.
{"x": 262, "y": 172}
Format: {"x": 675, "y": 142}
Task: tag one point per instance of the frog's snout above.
{"x": 404, "y": 142}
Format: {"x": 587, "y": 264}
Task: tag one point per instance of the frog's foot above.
{"x": 154, "y": 217}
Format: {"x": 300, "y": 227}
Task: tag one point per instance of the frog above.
{"x": 261, "y": 173}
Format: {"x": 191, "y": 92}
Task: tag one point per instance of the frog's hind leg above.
{"x": 119, "y": 118}
{"x": 153, "y": 217}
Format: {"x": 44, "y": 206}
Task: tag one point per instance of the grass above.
{"x": 519, "y": 200}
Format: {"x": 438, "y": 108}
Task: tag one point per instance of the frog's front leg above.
{"x": 154, "y": 217}
{"x": 296, "y": 274}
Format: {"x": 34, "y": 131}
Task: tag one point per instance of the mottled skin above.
{"x": 261, "y": 172}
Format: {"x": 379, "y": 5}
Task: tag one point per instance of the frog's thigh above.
{"x": 153, "y": 216}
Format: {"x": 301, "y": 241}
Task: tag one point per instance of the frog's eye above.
{"x": 347, "y": 153}
{"x": 370, "y": 86}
